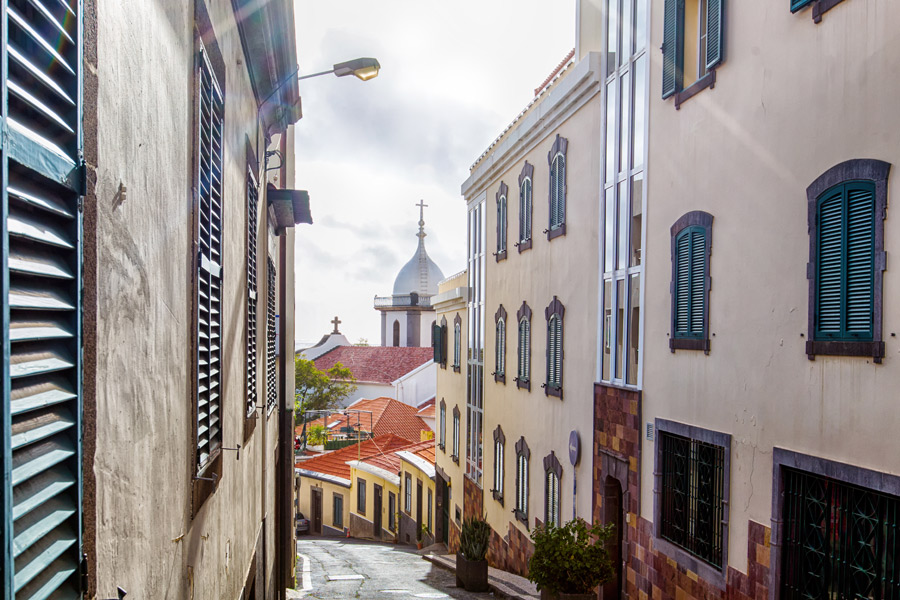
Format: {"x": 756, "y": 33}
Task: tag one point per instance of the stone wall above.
{"x": 510, "y": 552}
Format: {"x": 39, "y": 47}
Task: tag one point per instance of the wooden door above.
{"x": 612, "y": 513}
{"x": 377, "y": 513}
{"x": 315, "y": 519}
{"x": 418, "y": 509}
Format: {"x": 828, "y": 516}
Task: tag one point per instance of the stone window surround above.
{"x": 876, "y": 171}
{"x": 503, "y": 192}
{"x": 522, "y": 449}
{"x": 500, "y": 314}
{"x": 499, "y": 438}
{"x": 877, "y": 481}
{"x": 552, "y": 464}
{"x": 524, "y": 311}
{"x": 695, "y": 218}
{"x": 560, "y": 146}
{"x": 526, "y": 173}
{"x": 556, "y": 308}
{"x": 685, "y": 559}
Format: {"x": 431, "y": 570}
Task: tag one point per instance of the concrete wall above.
{"x": 419, "y": 386}
{"x": 144, "y": 429}
{"x": 793, "y": 99}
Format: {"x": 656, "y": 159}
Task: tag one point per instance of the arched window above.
{"x": 526, "y": 178}
{"x": 523, "y": 370}
{"x": 554, "y": 314}
{"x": 553, "y": 471}
{"x": 396, "y": 333}
{"x": 691, "y": 250}
{"x": 500, "y": 345}
{"x": 499, "y": 465}
{"x": 457, "y": 342}
{"x": 501, "y": 222}
{"x": 557, "y": 160}
{"x": 443, "y": 427}
{"x": 523, "y": 456}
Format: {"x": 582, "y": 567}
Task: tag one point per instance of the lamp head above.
{"x": 363, "y": 68}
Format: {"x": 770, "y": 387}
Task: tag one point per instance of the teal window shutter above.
{"x": 672, "y": 48}
{"x": 715, "y": 36}
{"x": 845, "y": 269}
{"x": 40, "y": 413}
{"x": 798, "y": 4}
{"x": 436, "y": 340}
{"x": 443, "y": 345}
{"x": 690, "y": 283}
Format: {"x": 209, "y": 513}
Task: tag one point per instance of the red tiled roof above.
{"x": 376, "y": 364}
{"x": 424, "y": 450}
{"x": 426, "y": 409}
{"x": 555, "y": 72}
{"x": 388, "y": 416}
{"x": 335, "y": 463}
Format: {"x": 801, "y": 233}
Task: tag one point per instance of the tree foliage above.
{"x": 320, "y": 390}
{"x": 571, "y": 559}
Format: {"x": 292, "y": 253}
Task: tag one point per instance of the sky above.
{"x": 454, "y": 75}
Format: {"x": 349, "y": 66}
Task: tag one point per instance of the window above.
{"x": 554, "y": 314}
{"x": 499, "y": 466}
{"x": 360, "y": 495}
{"x": 624, "y": 148}
{"x": 837, "y": 532}
{"x": 439, "y": 342}
{"x": 392, "y": 511}
{"x": 523, "y": 455}
{"x": 337, "y": 512}
{"x": 455, "y": 455}
{"x": 501, "y": 222}
{"x": 271, "y": 336}
{"x": 523, "y": 367}
{"x": 457, "y": 342}
{"x": 407, "y": 493}
{"x": 500, "y": 345}
{"x": 475, "y": 339}
{"x": 557, "y": 198}
{"x": 208, "y": 299}
{"x": 443, "y": 426}
{"x": 252, "y": 203}
{"x": 553, "y": 473}
{"x": 396, "y": 333}
{"x": 526, "y": 184}
{"x": 693, "y": 467}
{"x": 430, "y": 501}
{"x": 846, "y": 207}
{"x": 693, "y": 46}
{"x": 691, "y": 249}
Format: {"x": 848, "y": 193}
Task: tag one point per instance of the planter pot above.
{"x": 471, "y": 575}
{"x": 548, "y": 595}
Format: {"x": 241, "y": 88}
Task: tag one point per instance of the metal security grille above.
{"x": 210, "y": 117}
{"x": 252, "y": 202}
{"x": 839, "y": 540}
{"x": 271, "y": 385}
{"x": 693, "y": 487}
{"x": 41, "y": 255}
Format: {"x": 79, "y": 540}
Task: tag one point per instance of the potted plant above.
{"x": 569, "y": 562}
{"x": 471, "y": 561}
{"x": 423, "y": 533}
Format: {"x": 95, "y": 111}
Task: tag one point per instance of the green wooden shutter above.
{"x": 690, "y": 283}
{"x": 444, "y": 345}
{"x": 554, "y": 352}
{"x": 271, "y": 350}
{"x": 715, "y": 36}
{"x": 682, "y": 283}
{"x": 436, "y": 340}
{"x": 798, "y": 4}
{"x": 41, "y": 255}
{"x": 698, "y": 281}
{"x": 252, "y": 202}
{"x": 673, "y": 53}
{"x": 860, "y": 260}
{"x": 829, "y": 276}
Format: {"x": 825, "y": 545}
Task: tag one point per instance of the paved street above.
{"x": 345, "y": 568}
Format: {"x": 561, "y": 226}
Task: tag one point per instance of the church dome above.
{"x": 420, "y": 274}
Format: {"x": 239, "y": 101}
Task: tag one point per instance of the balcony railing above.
{"x": 402, "y": 301}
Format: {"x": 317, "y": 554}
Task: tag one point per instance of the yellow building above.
{"x": 417, "y": 493}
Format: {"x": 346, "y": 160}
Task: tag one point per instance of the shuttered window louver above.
{"x": 522, "y": 485}
{"x": 271, "y": 383}
{"x": 846, "y": 263}
{"x": 498, "y": 468}
{"x": 558, "y": 192}
{"x": 714, "y": 34}
{"x": 501, "y": 348}
{"x": 524, "y": 370}
{"x": 501, "y": 224}
{"x": 690, "y": 283}
{"x": 252, "y": 293}
{"x": 798, "y": 4}
{"x": 552, "y": 499}
{"x": 41, "y": 422}
{"x": 456, "y": 344}
{"x": 525, "y": 211}
{"x": 554, "y": 352}
{"x": 437, "y": 345}
{"x": 211, "y": 109}
{"x": 672, "y": 47}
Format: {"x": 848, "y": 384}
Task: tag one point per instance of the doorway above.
{"x": 377, "y": 513}
{"x": 612, "y": 513}
{"x": 418, "y": 509}
{"x": 443, "y": 510}
{"x": 315, "y": 519}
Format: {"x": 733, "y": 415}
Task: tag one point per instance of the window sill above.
{"x": 556, "y": 392}
{"x": 707, "y": 81}
{"x": 523, "y": 246}
{"x": 454, "y": 458}
{"x": 497, "y": 496}
{"x": 676, "y": 343}
{"x": 875, "y": 350}
{"x": 498, "y": 378}
{"x": 556, "y": 232}
{"x": 521, "y": 517}
{"x": 523, "y": 384}
{"x": 456, "y": 368}
{"x": 500, "y": 255}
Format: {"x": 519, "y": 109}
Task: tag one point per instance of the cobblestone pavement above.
{"x": 338, "y": 568}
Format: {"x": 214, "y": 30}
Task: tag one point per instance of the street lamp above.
{"x": 363, "y": 68}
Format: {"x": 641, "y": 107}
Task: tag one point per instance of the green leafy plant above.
{"x": 320, "y": 390}
{"x": 423, "y": 532}
{"x": 474, "y": 538}
{"x": 317, "y": 435}
{"x": 571, "y": 559}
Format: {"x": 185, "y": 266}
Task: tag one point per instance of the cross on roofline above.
{"x": 336, "y": 322}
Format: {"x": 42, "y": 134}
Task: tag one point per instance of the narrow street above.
{"x": 334, "y": 568}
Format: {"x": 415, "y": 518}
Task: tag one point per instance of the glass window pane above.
{"x": 612, "y": 37}
{"x": 610, "y": 230}
{"x": 626, "y": 30}
{"x": 640, "y": 97}
{"x": 637, "y": 196}
{"x": 607, "y": 327}
{"x": 640, "y": 25}
{"x": 624, "y": 226}
{"x": 625, "y": 121}
{"x": 610, "y": 130}
{"x": 634, "y": 313}
{"x": 620, "y": 326}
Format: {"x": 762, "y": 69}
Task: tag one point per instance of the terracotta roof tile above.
{"x": 424, "y": 450}
{"x": 376, "y": 364}
{"x": 388, "y": 416}
{"x": 335, "y": 463}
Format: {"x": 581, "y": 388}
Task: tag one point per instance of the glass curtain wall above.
{"x": 625, "y": 98}
{"x": 475, "y": 354}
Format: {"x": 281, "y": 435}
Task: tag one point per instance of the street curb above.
{"x": 499, "y": 588}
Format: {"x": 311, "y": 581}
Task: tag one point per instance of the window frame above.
{"x": 337, "y": 517}
{"x": 457, "y": 343}
{"x": 557, "y": 152}
{"x": 443, "y": 427}
{"x": 557, "y": 310}
{"x": 407, "y": 493}
{"x": 552, "y": 468}
{"x": 871, "y": 171}
{"x": 523, "y": 357}
{"x": 392, "y": 510}
{"x": 500, "y": 346}
{"x": 674, "y": 16}
{"x": 684, "y": 558}
{"x": 499, "y": 464}
{"x": 702, "y": 220}
{"x": 502, "y": 221}
{"x": 455, "y": 454}
{"x": 523, "y": 452}
{"x": 526, "y": 208}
